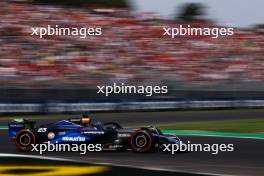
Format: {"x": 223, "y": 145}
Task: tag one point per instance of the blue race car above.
{"x": 111, "y": 135}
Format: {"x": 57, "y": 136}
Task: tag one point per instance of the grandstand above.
{"x": 130, "y": 50}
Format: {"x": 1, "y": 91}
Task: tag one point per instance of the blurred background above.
{"x": 223, "y": 72}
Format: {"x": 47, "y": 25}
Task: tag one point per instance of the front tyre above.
{"x": 24, "y": 140}
{"x": 142, "y": 141}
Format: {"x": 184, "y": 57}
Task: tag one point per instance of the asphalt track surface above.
{"x": 155, "y": 118}
{"x": 247, "y": 159}
{"x": 14, "y": 165}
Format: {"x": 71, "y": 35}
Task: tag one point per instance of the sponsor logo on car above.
{"x": 42, "y": 130}
{"x": 93, "y": 132}
{"x": 16, "y": 125}
{"x": 74, "y": 139}
{"x": 124, "y": 135}
{"x": 61, "y": 133}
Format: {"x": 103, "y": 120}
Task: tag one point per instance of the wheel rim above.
{"x": 141, "y": 141}
{"x": 25, "y": 139}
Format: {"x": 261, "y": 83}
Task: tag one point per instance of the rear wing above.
{"x": 18, "y": 124}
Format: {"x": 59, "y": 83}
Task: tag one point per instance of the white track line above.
{"x": 236, "y": 137}
{"x": 5, "y": 128}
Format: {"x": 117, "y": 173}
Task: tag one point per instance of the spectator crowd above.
{"x": 130, "y": 50}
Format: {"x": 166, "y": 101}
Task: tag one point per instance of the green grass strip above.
{"x": 217, "y": 134}
{"x": 227, "y": 126}
{"x": 3, "y": 127}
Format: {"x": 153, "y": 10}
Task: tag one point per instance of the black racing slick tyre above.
{"x": 142, "y": 141}
{"x": 24, "y": 140}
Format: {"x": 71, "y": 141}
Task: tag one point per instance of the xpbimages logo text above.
{"x": 58, "y": 147}
{"x": 190, "y": 147}
{"x": 57, "y": 30}
{"x": 183, "y": 30}
{"x": 131, "y": 89}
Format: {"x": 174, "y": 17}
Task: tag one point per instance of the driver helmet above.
{"x": 86, "y": 120}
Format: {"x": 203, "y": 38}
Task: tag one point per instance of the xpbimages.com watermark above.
{"x": 57, "y": 147}
{"x": 130, "y": 89}
{"x": 56, "y": 30}
{"x": 183, "y": 30}
{"x": 188, "y": 147}
{"x": 171, "y": 148}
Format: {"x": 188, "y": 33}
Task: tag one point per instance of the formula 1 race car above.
{"x": 111, "y": 135}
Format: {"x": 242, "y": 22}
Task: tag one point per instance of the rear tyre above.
{"x": 24, "y": 140}
{"x": 142, "y": 141}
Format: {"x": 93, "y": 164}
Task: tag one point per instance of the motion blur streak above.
{"x": 51, "y": 170}
{"x": 130, "y": 50}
